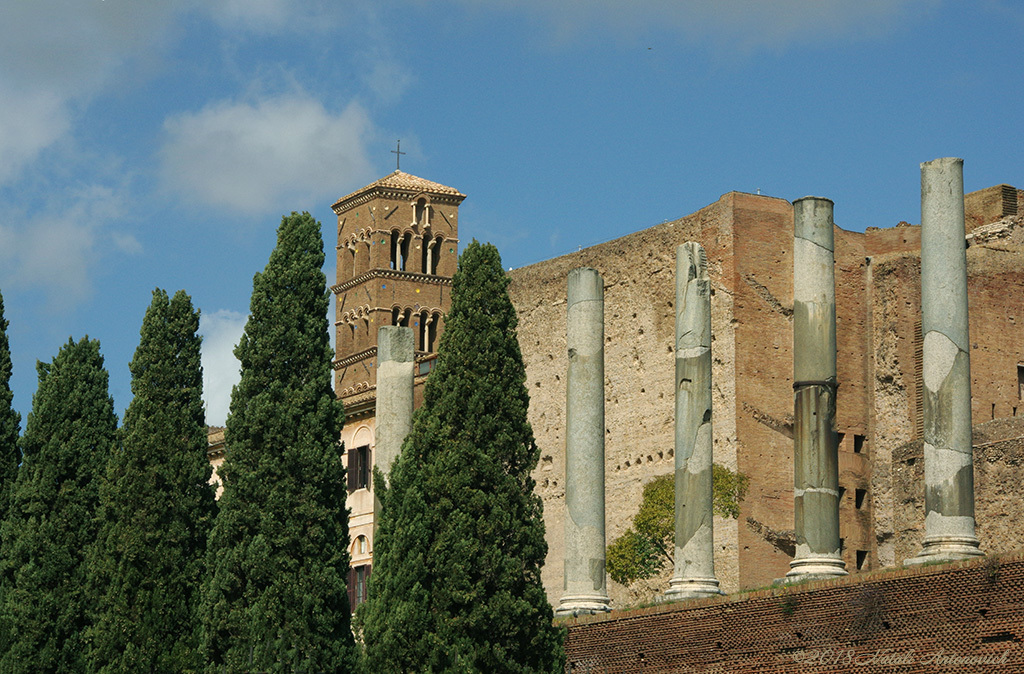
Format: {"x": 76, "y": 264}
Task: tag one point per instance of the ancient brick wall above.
{"x": 639, "y": 277}
{"x": 763, "y": 256}
{"x": 964, "y": 617}
{"x": 749, "y": 243}
{"x": 998, "y": 455}
{"x": 895, "y": 299}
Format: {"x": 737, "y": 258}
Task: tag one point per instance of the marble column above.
{"x": 393, "y": 416}
{"x": 948, "y": 454}
{"x": 815, "y": 442}
{"x": 584, "y": 584}
{"x": 694, "y": 574}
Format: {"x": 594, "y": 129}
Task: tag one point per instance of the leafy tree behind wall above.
{"x": 69, "y": 436}
{"x": 278, "y": 553}
{"x": 647, "y": 547}
{"x": 156, "y": 506}
{"x": 460, "y": 541}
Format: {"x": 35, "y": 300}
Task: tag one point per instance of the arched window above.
{"x": 403, "y": 250}
{"x": 436, "y": 255}
{"x": 422, "y": 212}
{"x": 396, "y": 239}
{"x": 400, "y": 317}
{"x": 424, "y": 321}
{"x": 426, "y": 252}
{"x": 432, "y": 331}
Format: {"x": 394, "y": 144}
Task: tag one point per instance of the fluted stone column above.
{"x": 694, "y": 574}
{"x": 815, "y": 443}
{"x": 948, "y": 454}
{"x": 393, "y": 417}
{"x": 584, "y": 585}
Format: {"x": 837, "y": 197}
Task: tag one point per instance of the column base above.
{"x": 582, "y": 604}
{"x": 691, "y": 588}
{"x": 946, "y": 549}
{"x": 815, "y": 568}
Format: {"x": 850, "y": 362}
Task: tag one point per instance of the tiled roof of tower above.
{"x": 399, "y": 180}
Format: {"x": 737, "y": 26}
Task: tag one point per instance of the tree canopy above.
{"x": 460, "y": 541}
{"x": 156, "y": 506}
{"x": 647, "y": 547}
{"x": 9, "y": 420}
{"x": 69, "y": 436}
{"x": 278, "y": 553}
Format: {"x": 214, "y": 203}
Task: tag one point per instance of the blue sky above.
{"x": 149, "y": 145}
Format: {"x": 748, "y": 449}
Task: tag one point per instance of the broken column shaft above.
{"x": 815, "y": 443}
{"x": 395, "y": 372}
{"x": 948, "y": 454}
{"x": 584, "y": 585}
{"x": 694, "y": 574}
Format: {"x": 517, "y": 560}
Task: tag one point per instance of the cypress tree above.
{"x": 460, "y": 541}
{"x": 9, "y": 459}
{"x": 9, "y": 420}
{"x": 69, "y": 436}
{"x": 278, "y": 553}
{"x": 156, "y": 506}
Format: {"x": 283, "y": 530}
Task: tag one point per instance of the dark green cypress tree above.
{"x": 10, "y": 457}
{"x": 69, "y": 436}
{"x": 156, "y": 506}
{"x": 9, "y": 420}
{"x": 460, "y": 542}
{"x": 278, "y": 554}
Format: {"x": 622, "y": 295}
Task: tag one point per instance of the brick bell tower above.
{"x": 397, "y": 253}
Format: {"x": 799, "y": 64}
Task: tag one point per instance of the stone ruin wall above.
{"x": 748, "y": 239}
{"x": 996, "y": 301}
{"x": 998, "y": 457}
{"x": 639, "y": 276}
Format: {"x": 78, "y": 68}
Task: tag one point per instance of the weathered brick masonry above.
{"x": 955, "y": 618}
{"x": 397, "y": 240}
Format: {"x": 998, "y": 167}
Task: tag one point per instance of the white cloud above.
{"x": 270, "y": 16}
{"x": 738, "y": 25}
{"x": 57, "y": 248}
{"x": 251, "y": 157}
{"x": 58, "y": 55}
{"x": 221, "y": 331}
{"x": 126, "y": 243}
{"x": 30, "y": 121}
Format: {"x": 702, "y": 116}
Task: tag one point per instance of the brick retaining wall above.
{"x": 963, "y": 617}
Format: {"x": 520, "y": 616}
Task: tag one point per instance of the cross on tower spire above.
{"x": 398, "y": 155}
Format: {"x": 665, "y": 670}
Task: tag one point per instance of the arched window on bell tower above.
{"x": 431, "y": 332}
{"x": 400, "y": 317}
{"x": 435, "y": 254}
{"x": 403, "y": 249}
{"x": 426, "y": 252}
{"x": 421, "y": 212}
{"x": 395, "y": 245}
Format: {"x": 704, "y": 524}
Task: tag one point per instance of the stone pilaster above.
{"x": 815, "y": 443}
{"x": 694, "y": 574}
{"x": 948, "y": 454}
{"x": 584, "y": 585}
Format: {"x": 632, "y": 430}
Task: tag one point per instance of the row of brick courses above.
{"x": 763, "y": 258}
{"x": 926, "y": 619}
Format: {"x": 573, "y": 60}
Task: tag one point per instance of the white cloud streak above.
{"x": 57, "y": 248}
{"x": 732, "y": 25}
{"x": 251, "y": 157}
{"x": 221, "y": 331}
